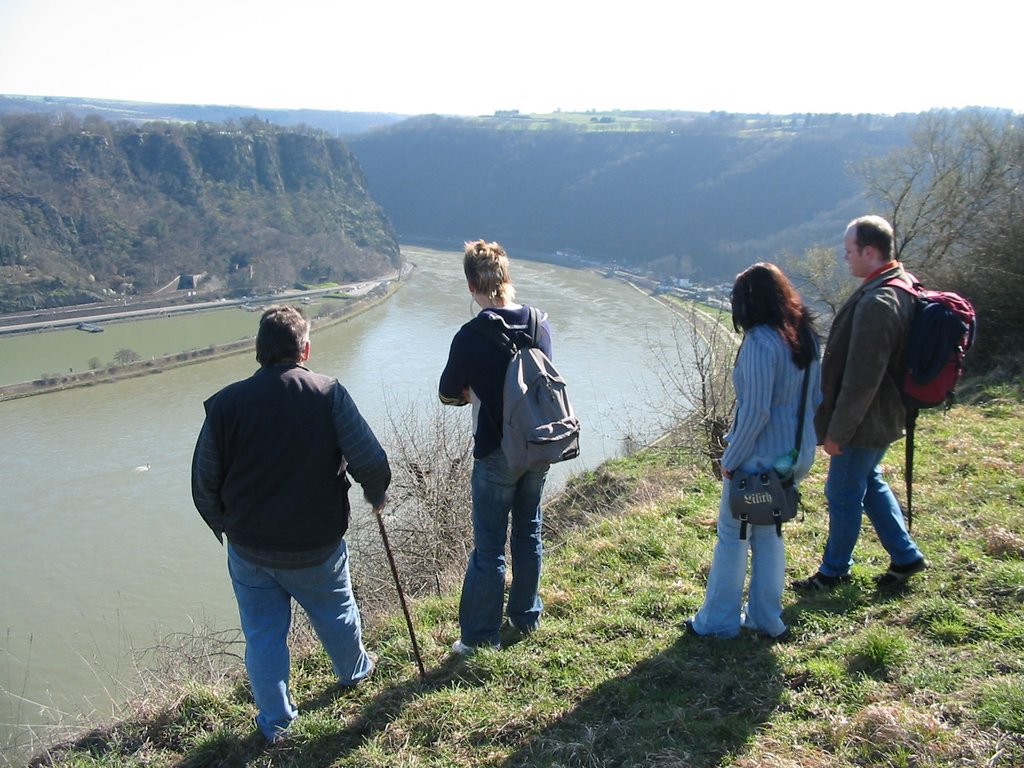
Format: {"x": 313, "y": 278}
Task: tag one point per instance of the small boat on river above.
{"x": 90, "y": 328}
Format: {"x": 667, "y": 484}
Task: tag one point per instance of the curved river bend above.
{"x": 98, "y": 559}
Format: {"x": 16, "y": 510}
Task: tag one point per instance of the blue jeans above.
{"x": 723, "y": 613}
{"x": 855, "y": 487}
{"x": 497, "y": 493}
{"x": 264, "y": 598}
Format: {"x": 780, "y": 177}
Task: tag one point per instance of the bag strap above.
{"x": 493, "y": 332}
{"x": 907, "y": 282}
{"x": 803, "y": 407}
{"x": 799, "y": 427}
{"x": 507, "y": 341}
{"x": 533, "y": 326}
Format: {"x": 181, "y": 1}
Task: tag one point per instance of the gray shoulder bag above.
{"x": 765, "y": 497}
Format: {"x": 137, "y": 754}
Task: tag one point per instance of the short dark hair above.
{"x": 876, "y": 232}
{"x": 282, "y": 334}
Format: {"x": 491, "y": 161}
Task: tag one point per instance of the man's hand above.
{"x": 831, "y": 447}
{"x": 380, "y": 507}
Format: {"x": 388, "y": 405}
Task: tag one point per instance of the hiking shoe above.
{"x": 819, "y": 582}
{"x": 783, "y": 637}
{"x": 899, "y": 574}
{"x": 510, "y": 633}
{"x": 690, "y": 630}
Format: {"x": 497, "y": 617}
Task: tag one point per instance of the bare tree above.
{"x": 955, "y": 196}
{"x": 697, "y": 376}
{"x": 428, "y": 517}
{"x": 822, "y": 277}
{"x": 949, "y": 179}
{"x": 125, "y": 356}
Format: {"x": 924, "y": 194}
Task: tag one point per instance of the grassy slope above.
{"x": 929, "y": 675}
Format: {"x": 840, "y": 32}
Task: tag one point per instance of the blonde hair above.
{"x": 487, "y": 269}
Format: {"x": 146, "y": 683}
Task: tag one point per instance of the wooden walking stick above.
{"x": 378, "y": 511}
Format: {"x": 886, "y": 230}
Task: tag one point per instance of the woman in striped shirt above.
{"x": 779, "y": 344}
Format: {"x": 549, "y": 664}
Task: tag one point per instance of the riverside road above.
{"x": 51, "y": 319}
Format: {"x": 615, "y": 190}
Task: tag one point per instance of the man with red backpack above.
{"x": 863, "y": 410}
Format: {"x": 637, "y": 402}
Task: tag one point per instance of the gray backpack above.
{"x": 538, "y": 425}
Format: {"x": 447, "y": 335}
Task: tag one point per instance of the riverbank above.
{"x": 927, "y": 675}
{"x": 349, "y": 309}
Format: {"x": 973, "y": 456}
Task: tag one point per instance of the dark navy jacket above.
{"x": 270, "y": 464}
{"x": 476, "y": 362}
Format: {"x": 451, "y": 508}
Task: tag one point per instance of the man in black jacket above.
{"x": 269, "y": 471}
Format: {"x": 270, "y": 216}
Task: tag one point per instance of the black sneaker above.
{"x": 819, "y": 582}
{"x": 783, "y": 637}
{"x": 510, "y": 633}
{"x": 899, "y": 574}
{"x": 691, "y": 630}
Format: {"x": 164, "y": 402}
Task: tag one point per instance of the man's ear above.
{"x": 305, "y": 351}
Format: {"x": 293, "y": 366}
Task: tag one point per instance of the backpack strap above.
{"x": 907, "y": 282}
{"x": 533, "y": 326}
{"x": 494, "y": 328}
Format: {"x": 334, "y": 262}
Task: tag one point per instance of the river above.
{"x": 101, "y": 556}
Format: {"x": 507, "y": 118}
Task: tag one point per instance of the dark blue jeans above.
{"x": 855, "y": 487}
{"x": 497, "y": 495}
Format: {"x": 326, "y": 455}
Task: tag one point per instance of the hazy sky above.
{"x": 474, "y": 56}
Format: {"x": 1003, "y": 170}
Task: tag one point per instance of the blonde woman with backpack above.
{"x": 475, "y": 374}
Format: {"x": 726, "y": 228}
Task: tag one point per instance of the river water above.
{"x": 99, "y": 559}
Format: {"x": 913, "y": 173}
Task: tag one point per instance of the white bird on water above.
{"x": 143, "y": 468}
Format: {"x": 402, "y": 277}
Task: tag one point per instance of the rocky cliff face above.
{"x": 88, "y": 208}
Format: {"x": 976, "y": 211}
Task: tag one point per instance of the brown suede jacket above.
{"x": 863, "y": 366}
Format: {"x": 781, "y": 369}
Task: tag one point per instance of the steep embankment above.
{"x": 927, "y": 675}
{"x": 89, "y": 209}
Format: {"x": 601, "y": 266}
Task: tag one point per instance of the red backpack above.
{"x": 942, "y": 331}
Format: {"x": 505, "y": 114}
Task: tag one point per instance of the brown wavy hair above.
{"x": 763, "y": 295}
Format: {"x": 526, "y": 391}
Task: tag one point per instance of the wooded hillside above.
{"x": 688, "y": 195}
{"x": 89, "y": 209}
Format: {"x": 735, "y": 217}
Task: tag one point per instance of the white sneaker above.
{"x": 462, "y": 649}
